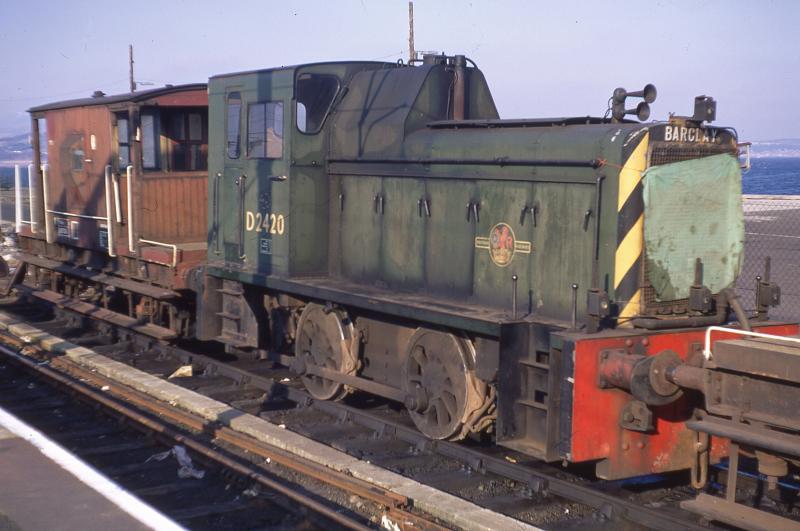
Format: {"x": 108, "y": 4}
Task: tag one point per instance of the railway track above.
{"x": 143, "y": 444}
{"x": 378, "y": 432}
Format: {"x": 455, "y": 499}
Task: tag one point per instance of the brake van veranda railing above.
{"x": 25, "y": 204}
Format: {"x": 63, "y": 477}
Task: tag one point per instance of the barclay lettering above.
{"x": 679, "y": 133}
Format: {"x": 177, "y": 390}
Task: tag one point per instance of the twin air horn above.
{"x": 642, "y": 111}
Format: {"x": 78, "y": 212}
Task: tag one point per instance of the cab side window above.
{"x": 314, "y": 94}
{"x": 233, "y": 116}
{"x": 265, "y": 130}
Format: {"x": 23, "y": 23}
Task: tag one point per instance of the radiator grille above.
{"x": 666, "y": 154}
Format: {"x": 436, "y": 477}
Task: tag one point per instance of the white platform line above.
{"x": 127, "y": 502}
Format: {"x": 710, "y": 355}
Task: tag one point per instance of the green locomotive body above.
{"x": 376, "y": 226}
{"x": 389, "y": 192}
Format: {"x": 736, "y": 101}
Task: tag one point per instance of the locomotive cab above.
{"x": 268, "y": 189}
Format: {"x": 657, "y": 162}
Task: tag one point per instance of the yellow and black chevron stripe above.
{"x": 630, "y": 230}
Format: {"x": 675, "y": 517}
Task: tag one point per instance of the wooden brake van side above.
{"x": 120, "y": 201}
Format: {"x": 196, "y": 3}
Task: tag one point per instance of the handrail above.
{"x": 216, "y": 201}
{"x": 48, "y": 231}
{"x": 73, "y": 215}
{"x": 109, "y": 227}
{"x": 162, "y": 244}
{"x": 117, "y": 199}
{"x": 31, "y": 202}
{"x": 746, "y": 145}
{"x": 242, "y": 192}
{"x": 707, "y": 347}
{"x": 18, "y": 198}
{"x": 131, "y": 246}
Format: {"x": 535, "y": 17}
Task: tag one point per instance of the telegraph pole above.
{"x": 411, "y": 52}
{"x": 130, "y": 67}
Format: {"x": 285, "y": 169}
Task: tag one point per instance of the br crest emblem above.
{"x": 502, "y": 244}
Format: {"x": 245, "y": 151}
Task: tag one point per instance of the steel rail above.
{"x": 395, "y": 504}
{"x": 172, "y": 434}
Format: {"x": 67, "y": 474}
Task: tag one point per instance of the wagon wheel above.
{"x": 441, "y": 389}
{"x": 324, "y": 339}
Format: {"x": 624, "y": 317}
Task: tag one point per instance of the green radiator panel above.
{"x": 693, "y": 209}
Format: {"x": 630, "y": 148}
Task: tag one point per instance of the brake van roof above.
{"x": 138, "y": 96}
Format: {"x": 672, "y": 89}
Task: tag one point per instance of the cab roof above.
{"x": 304, "y": 65}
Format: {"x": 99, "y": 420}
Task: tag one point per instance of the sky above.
{"x": 541, "y": 59}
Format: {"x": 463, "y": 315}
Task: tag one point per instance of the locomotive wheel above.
{"x": 325, "y": 339}
{"x": 442, "y": 392}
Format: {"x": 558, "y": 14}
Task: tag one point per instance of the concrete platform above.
{"x": 44, "y": 487}
{"x": 452, "y": 510}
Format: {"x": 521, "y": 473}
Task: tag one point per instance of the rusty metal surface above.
{"x": 69, "y": 131}
{"x": 751, "y": 394}
{"x": 738, "y": 515}
{"x": 755, "y": 382}
{"x": 616, "y": 368}
{"x": 151, "y": 330}
{"x": 761, "y": 438}
{"x": 760, "y": 357}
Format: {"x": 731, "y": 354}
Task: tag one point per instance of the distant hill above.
{"x": 786, "y": 147}
{"x": 15, "y": 150}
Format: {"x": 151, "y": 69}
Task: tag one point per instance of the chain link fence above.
{"x": 772, "y": 229}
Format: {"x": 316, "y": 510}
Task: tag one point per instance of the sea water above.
{"x": 772, "y": 176}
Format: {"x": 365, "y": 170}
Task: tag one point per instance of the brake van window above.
{"x": 77, "y": 159}
{"x": 187, "y": 141}
{"x": 265, "y": 130}
{"x": 233, "y": 116}
{"x": 123, "y": 143}
{"x": 150, "y": 136}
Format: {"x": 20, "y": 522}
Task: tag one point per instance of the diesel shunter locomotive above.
{"x": 559, "y": 283}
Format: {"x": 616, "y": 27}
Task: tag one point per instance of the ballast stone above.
{"x": 451, "y": 509}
